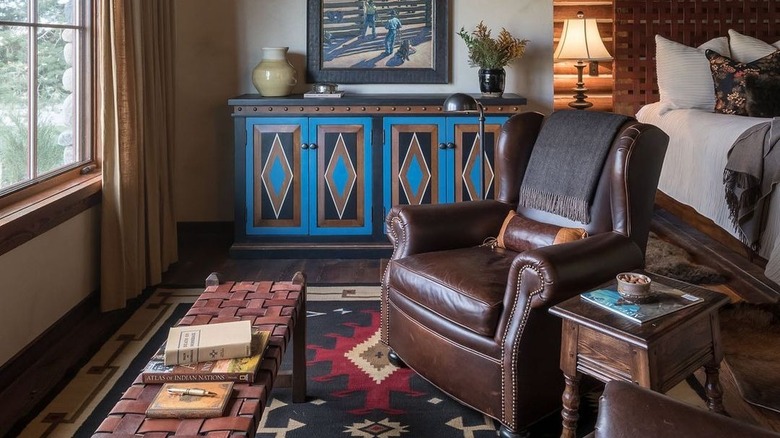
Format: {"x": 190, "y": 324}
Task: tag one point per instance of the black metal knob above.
{"x": 442, "y": 145}
{"x": 304, "y": 146}
{"x": 313, "y": 146}
{"x": 450, "y": 145}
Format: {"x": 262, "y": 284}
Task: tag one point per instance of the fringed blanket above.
{"x": 566, "y": 161}
{"x": 752, "y": 170}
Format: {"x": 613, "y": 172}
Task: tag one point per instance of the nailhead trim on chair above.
{"x": 512, "y": 423}
{"x": 385, "y": 323}
{"x": 632, "y": 139}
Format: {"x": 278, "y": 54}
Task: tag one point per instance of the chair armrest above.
{"x": 543, "y": 277}
{"x": 628, "y": 410}
{"x": 415, "y": 229}
{"x": 569, "y": 269}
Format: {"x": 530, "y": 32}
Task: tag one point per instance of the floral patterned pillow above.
{"x": 729, "y": 78}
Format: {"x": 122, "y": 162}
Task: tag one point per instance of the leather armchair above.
{"x": 473, "y": 319}
{"x": 627, "y": 410}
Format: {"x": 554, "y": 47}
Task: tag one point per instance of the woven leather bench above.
{"x": 279, "y": 307}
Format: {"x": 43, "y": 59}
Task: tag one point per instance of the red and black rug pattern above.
{"x": 353, "y": 390}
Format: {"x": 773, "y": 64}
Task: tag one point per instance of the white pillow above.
{"x": 684, "y": 77}
{"x": 747, "y": 49}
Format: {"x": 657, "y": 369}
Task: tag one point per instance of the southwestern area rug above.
{"x": 353, "y": 391}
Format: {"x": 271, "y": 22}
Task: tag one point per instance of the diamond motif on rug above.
{"x": 383, "y": 428}
{"x": 371, "y": 357}
{"x": 362, "y": 378}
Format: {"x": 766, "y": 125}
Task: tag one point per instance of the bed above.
{"x": 693, "y": 169}
{"x": 699, "y": 138}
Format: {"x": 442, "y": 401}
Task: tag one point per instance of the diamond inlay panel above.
{"x": 277, "y": 176}
{"x": 340, "y": 176}
{"x": 414, "y": 175}
{"x": 470, "y": 173}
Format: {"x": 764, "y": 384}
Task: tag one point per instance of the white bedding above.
{"x": 693, "y": 169}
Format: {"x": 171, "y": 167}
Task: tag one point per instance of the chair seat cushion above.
{"x": 465, "y": 286}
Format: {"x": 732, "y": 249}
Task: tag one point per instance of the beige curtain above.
{"x": 134, "y": 124}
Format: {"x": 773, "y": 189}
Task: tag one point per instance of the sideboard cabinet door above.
{"x": 308, "y": 176}
{"x": 277, "y": 176}
{"x": 414, "y": 160}
{"x": 464, "y": 158}
{"x": 340, "y": 162}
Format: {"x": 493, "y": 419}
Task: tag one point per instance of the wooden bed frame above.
{"x": 690, "y": 22}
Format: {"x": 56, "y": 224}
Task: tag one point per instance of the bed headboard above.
{"x": 691, "y": 22}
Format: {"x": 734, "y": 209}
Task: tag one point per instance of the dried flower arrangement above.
{"x": 488, "y": 53}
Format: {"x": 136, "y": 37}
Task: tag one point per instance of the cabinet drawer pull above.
{"x": 313, "y": 146}
{"x": 304, "y": 146}
{"x": 442, "y": 145}
{"x": 451, "y": 145}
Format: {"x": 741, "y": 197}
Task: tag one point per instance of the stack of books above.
{"x": 198, "y": 365}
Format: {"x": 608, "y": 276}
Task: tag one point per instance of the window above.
{"x": 44, "y": 91}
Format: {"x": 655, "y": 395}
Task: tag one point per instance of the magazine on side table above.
{"x": 668, "y": 300}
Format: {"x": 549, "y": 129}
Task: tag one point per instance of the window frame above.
{"x": 39, "y": 204}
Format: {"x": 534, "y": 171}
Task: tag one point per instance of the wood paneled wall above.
{"x": 599, "y": 87}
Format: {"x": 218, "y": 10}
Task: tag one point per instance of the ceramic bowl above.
{"x": 324, "y": 88}
{"x": 634, "y": 287}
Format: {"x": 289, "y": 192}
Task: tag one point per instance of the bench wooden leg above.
{"x": 299, "y": 345}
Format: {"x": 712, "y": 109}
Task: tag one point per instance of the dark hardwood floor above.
{"x": 31, "y": 380}
{"x": 205, "y": 248}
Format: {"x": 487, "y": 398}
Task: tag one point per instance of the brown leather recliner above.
{"x": 473, "y": 319}
{"x": 627, "y": 410}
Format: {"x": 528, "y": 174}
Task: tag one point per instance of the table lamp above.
{"x": 580, "y": 41}
{"x": 463, "y": 103}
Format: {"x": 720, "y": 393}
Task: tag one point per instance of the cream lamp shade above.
{"x": 580, "y": 40}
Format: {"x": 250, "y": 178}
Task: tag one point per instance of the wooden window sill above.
{"x": 33, "y": 216}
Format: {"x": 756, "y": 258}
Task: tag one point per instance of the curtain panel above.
{"x": 134, "y": 130}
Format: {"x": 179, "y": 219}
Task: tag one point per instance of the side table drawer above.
{"x": 602, "y": 356}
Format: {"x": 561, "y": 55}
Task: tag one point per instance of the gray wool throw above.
{"x": 751, "y": 173}
{"x": 566, "y": 162}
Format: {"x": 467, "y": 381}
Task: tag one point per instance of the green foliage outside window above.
{"x": 14, "y": 84}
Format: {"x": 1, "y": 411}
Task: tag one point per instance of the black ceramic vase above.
{"x": 491, "y": 81}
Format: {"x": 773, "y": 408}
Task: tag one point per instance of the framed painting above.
{"x": 378, "y": 41}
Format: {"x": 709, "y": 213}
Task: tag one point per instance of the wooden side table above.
{"x": 658, "y": 354}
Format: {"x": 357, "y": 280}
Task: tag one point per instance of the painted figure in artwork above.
{"x": 368, "y": 34}
{"x": 369, "y": 9}
{"x": 393, "y": 25}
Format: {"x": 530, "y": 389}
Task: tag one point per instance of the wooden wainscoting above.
{"x": 565, "y": 74}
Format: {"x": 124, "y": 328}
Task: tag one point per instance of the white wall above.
{"x": 45, "y": 278}
{"x": 218, "y": 45}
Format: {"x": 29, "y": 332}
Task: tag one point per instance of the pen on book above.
{"x": 191, "y": 391}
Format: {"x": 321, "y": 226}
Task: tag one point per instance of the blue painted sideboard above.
{"x": 314, "y": 177}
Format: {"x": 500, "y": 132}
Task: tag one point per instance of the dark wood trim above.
{"x": 25, "y": 220}
{"x": 742, "y": 276}
{"x": 690, "y": 216}
{"x": 34, "y": 376}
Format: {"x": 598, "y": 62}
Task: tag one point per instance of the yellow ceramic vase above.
{"x": 274, "y": 76}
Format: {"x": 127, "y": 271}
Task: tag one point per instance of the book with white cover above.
{"x": 202, "y": 343}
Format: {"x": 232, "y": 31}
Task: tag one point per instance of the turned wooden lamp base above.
{"x": 579, "y": 98}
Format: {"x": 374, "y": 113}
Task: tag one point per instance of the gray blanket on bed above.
{"x": 752, "y": 171}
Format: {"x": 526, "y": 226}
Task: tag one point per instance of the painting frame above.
{"x": 436, "y": 73}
